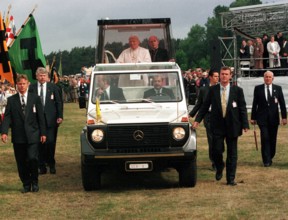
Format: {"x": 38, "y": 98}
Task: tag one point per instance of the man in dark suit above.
{"x": 157, "y": 54}
{"x": 53, "y": 112}
{"x": 24, "y": 113}
{"x": 284, "y": 55}
{"x": 158, "y": 89}
{"x": 213, "y": 79}
{"x": 265, "y": 113}
{"x": 227, "y": 119}
{"x": 105, "y": 91}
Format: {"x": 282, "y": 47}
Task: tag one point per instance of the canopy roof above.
{"x": 254, "y": 21}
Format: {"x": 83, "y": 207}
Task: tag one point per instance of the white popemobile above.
{"x": 126, "y": 130}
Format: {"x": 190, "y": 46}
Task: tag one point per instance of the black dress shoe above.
{"x": 52, "y": 170}
{"x": 35, "y": 187}
{"x": 42, "y": 170}
{"x": 26, "y": 189}
{"x": 232, "y": 183}
{"x": 268, "y": 164}
{"x": 219, "y": 175}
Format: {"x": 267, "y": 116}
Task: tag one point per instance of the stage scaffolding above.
{"x": 250, "y": 22}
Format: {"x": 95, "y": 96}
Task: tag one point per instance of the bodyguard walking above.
{"x": 24, "y": 113}
{"x": 265, "y": 112}
{"x": 228, "y": 118}
{"x": 53, "y": 112}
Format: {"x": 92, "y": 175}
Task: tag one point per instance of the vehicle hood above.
{"x": 143, "y": 115}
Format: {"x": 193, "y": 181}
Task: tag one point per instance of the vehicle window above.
{"x": 136, "y": 87}
{"x": 113, "y": 46}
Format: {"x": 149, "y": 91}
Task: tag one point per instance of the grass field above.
{"x": 261, "y": 192}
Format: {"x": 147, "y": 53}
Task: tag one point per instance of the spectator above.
{"x": 258, "y": 54}
{"x": 204, "y": 80}
{"x": 279, "y": 38}
{"x": 74, "y": 89}
{"x": 66, "y": 89}
{"x": 244, "y": 52}
{"x": 83, "y": 89}
{"x": 284, "y": 55}
{"x": 265, "y": 41}
{"x": 273, "y": 50}
{"x": 192, "y": 88}
{"x": 251, "y": 52}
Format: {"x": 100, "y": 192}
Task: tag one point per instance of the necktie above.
{"x": 268, "y": 95}
{"x": 106, "y": 95}
{"x": 42, "y": 94}
{"x": 23, "y": 104}
{"x": 223, "y": 101}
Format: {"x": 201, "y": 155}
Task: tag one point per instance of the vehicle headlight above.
{"x": 178, "y": 133}
{"x": 97, "y": 135}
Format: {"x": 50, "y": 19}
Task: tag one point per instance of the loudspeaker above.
{"x": 215, "y": 55}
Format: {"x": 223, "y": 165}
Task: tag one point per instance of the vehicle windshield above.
{"x": 136, "y": 87}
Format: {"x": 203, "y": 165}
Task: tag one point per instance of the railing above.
{"x": 244, "y": 68}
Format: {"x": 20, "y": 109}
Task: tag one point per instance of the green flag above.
{"x": 26, "y": 52}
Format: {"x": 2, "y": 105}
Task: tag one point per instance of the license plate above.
{"x": 138, "y": 166}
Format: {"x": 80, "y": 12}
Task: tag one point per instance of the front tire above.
{"x": 91, "y": 177}
{"x": 188, "y": 174}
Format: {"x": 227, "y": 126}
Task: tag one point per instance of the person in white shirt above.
{"x": 273, "y": 50}
{"x": 135, "y": 53}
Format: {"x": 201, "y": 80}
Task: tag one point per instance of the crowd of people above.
{"x": 193, "y": 80}
{"x": 73, "y": 87}
{"x": 266, "y": 52}
{"x": 37, "y": 109}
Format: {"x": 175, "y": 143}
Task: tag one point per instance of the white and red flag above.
{"x": 10, "y": 31}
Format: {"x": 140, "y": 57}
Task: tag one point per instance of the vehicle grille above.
{"x": 123, "y": 136}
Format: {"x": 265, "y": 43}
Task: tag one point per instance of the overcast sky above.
{"x": 63, "y": 25}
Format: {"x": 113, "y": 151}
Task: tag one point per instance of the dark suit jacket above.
{"x": 25, "y": 128}
{"x": 246, "y": 54}
{"x": 115, "y": 94}
{"x": 200, "y": 100}
{"x": 236, "y": 113}
{"x": 266, "y": 114}
{"x": 53, "y": 103}
{"x": 159, "y": 55}
{"x": 284, "y": 50}
{"x": 165, "y": 91}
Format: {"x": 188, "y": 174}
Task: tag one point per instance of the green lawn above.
{"x": 261, "y": 192}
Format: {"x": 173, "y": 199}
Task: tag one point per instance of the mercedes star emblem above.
{"x": 138, "y": 135}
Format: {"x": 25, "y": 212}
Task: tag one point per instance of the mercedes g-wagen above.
{"x": 133, "y": 129}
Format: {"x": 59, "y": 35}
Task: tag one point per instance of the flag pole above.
{"x": 7, "y": 20}
{"x": 23, "y": 25}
